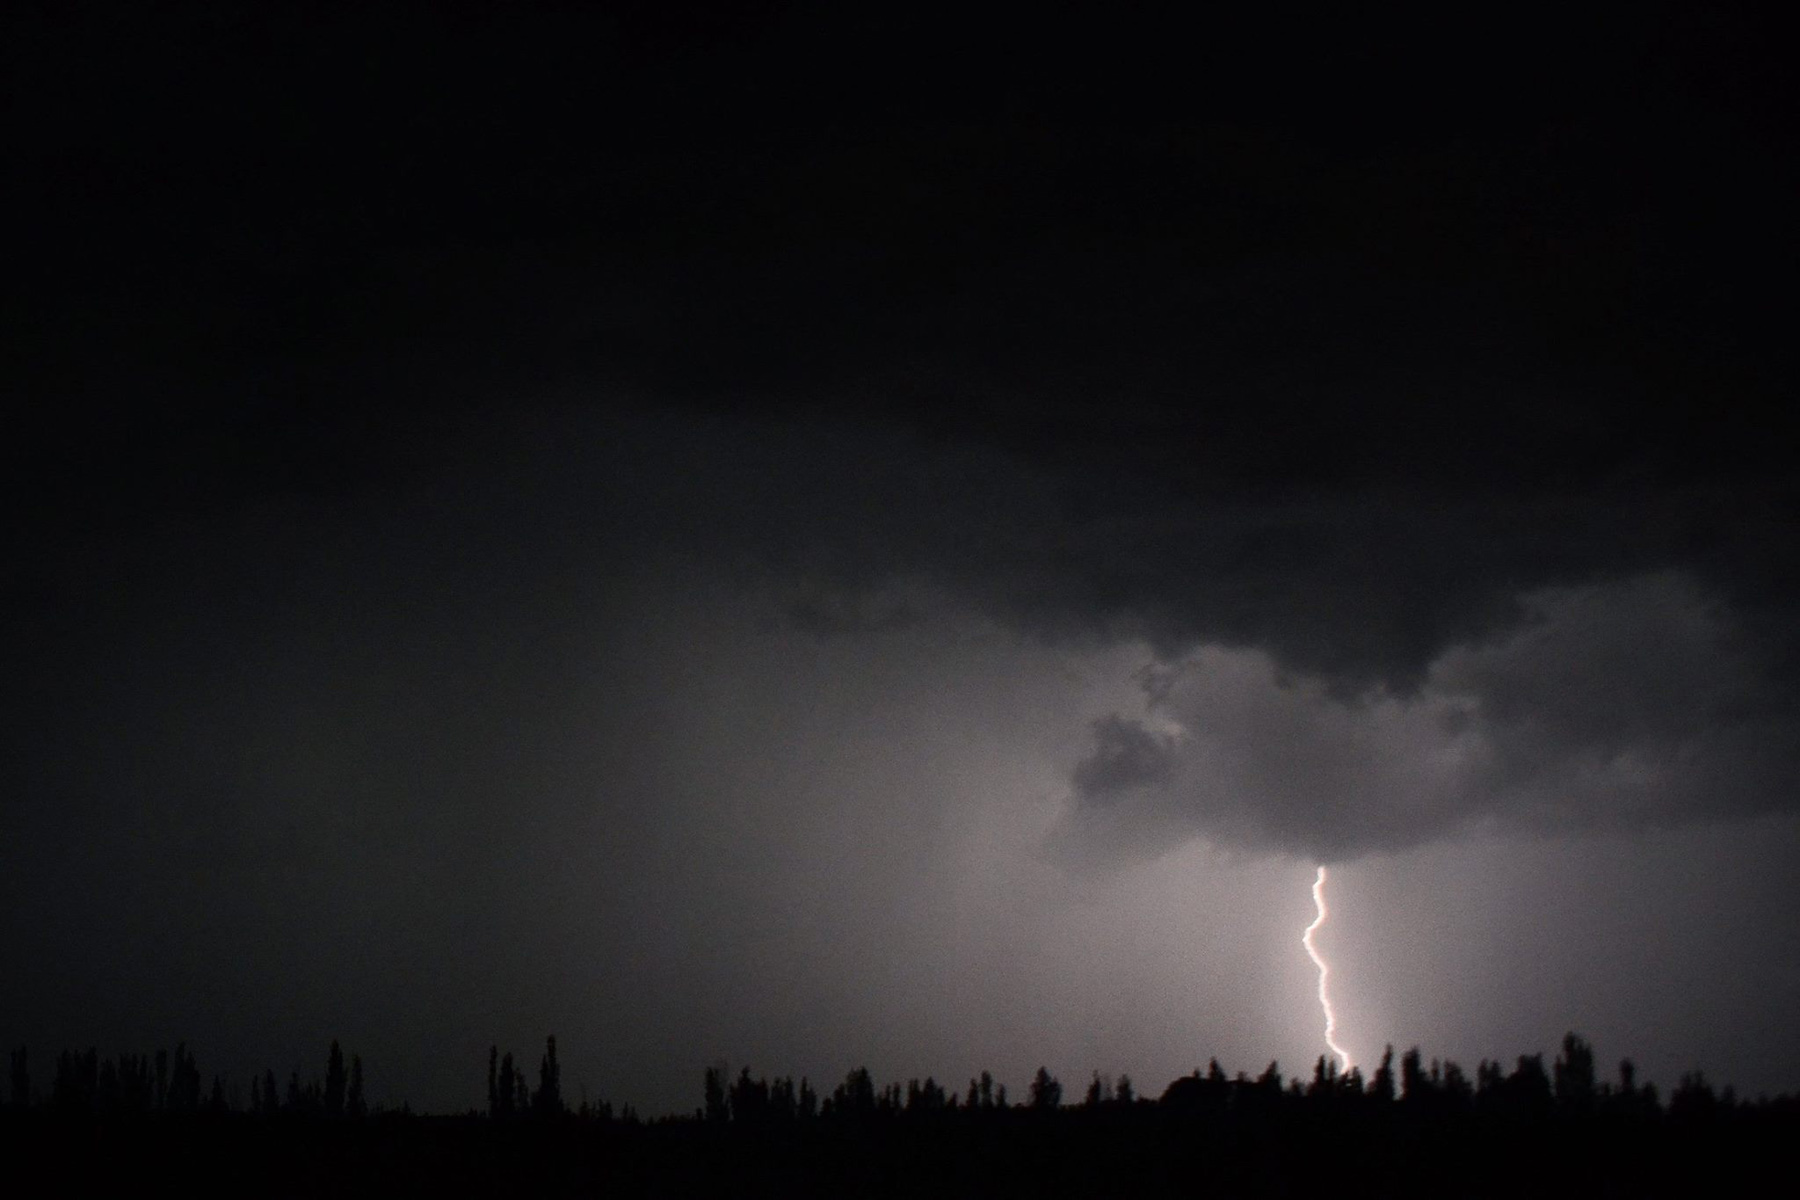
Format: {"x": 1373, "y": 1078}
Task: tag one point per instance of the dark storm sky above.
{"x": 811, "y": 535}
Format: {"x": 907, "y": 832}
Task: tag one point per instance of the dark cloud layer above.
{"x": 1310, "y": 337}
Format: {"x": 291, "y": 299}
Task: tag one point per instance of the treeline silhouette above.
{"x": 1410, "y": 1127}
{"x": 83, "y": 1084}
{"x": 1569, "y": 1088}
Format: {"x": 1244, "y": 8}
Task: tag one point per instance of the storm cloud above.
{"x": 1330, "y": 676}
{"x": 1611, "y": 706}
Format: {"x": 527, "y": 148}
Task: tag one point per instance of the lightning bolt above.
{"x": 1312, "y": 952}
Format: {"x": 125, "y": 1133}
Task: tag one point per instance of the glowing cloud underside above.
{"x": 1312, "y": 952}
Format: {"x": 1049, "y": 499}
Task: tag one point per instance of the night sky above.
{"x": 804, "y": 536}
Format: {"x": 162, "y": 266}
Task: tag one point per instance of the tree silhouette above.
{"x": 1630, "y": 1098}
{"x": 718, "y": 1106}
{"x": 547, "y": 1101}
{"x": 1693, "y": 1099}
{"x": 1456, "y": 1093}
{"x": 19, "y": 1075}
{"x": 354, "y": 1103}
{"x": 1528, "y": 1088}
{"x": 1324, "y": 1080}
{"x": 1574, "y": 1075}
{"x": 335, "y": 1081}
{"x": 73, "y": 1088}
{"x": 1413, "y": 1084}
{"x": 749, "y": 1098}
{"x": 1382, "y": 1086}
{"x": 183, "y": 1094}
{"x": 855, "y": 1097}
{"x": 493, "y": 1091}
{"x": 507, "y": 1094}
{"x": 782, "y": 1103}
{"x": 926, "y": 1097}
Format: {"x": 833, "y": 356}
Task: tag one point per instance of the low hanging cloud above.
{"x": 1625, "y": 704}
{"x": 1339, "y": 668}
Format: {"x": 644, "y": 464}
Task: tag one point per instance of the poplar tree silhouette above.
{"x": 1046, "y": 1092}
{"x": 1573, "y": 1073}
{"x": 1382, "y": 1087}
{"x": 718, "y": 1109}
{"x": 493, "y": 1095}
{"x": 184, "y": 1082}
{"x": 548, "y": 1101}
{"x": 782, "y": 1105}
{"x": 749, "y": 1098}
{"x": 334, "y": 1081}
{"x": 509, "y": 1087}
{"x": 1412, "y": 1077}
{"x": 354, "y": 1103}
